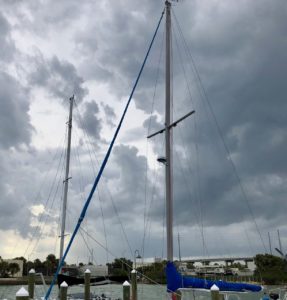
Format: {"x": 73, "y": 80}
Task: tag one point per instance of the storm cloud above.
{"x": 229, "y": 157}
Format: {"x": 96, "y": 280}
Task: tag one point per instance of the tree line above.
{"x": 270, "y": 269}
{"x": 46, "y": 267}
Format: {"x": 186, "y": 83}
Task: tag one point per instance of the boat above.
{"x": 175, "y": 281}
{"x": 76, "y": 276}
{"x": 95, "y": 280}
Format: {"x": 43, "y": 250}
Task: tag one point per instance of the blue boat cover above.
{"x": 175, "y": 281}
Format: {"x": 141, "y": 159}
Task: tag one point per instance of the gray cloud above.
{"x": 7, "y": 45}
{"x": 90, "y": 121}
{"x": 14, "y": 117}
{"x": 240, "y": 54}
{"x": 109, "y": 114}
{"x": 60, "y": 78}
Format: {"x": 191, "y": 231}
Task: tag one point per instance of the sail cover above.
{"x": 175, "y": 281}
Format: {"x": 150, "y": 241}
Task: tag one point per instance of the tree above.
{"x": 120, "y": 266}
{"x": 271, "y": 269}
{"x": 51, "y": 264}
{"x": 155, "y": 272}
{"x": 13, "y": 268}
{"x": 190, "y": 266}
{"x": 237, "y": 265}
{"x": 4, "y": 270}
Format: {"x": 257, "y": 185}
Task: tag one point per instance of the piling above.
{"x": 31, "y": 283}
{"x": 214, "y": 291}
{"x": 87, "y": 284}
{"x": 134, "y": 284}
{"x": 22, "y": 294}
{"x": 63, "y": 290}
{"x": 126, "y": 290}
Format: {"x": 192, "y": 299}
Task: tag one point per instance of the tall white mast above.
{"x": 169, "y": 124}
{"x": 66, "y": 181}
{"x": 168, "y": 138}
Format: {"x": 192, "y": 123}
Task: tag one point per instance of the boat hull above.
{"x": 98, "y": 280}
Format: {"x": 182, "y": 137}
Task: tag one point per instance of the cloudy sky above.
{"x": 229, "y": 158}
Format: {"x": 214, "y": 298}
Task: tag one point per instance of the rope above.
{"x": 84, "y": 210}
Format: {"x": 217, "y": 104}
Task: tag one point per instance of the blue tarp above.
{"x": 175, "y": 281}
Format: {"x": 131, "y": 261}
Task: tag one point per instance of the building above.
{"x": 19, "y": 262}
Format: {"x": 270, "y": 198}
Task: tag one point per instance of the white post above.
{"x": 22, "y": 294}
{"x": 63, "y": 290}
{"x": 126, "y": 290}
{"x": 214, "y": 291}
{"x": 87, "y": 284}
{"x": 134, "y": 284}
{"x": 31, "y": 283}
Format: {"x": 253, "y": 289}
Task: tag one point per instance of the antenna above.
{"x": 279, "y": 240}
{"x": 179, "y": 252}
{"x": 270, "y": 247}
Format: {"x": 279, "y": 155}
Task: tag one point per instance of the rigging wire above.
{"x": 59, "y": 221}
{"x": 198, "y": 221}
{"x": 97, "y": 179}
{"x": 38, "y": 194}
{"x": 148, "y": 132}
{"x": 155, "y": 176}
{"x": 122, "y": 261}
{"x": 41, "y": 230}
{"x": 86, "y": 243}
{"x": 80, "y": 180}
{"x": 107, "y": 189}
{"x": 84, "y": 128}
{"x": 205, "y": 96}
{"x": 37, "y": 228}
{"x": 83, "y": 125}
{"x": 198, "y": 175}
{"x": 199, "y": 197}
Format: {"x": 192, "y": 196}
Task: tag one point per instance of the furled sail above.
{"x": 175, "y": 281}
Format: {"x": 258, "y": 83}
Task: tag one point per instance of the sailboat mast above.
{"x": 168, "y": 137}
{"x": 66, "y": 181}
